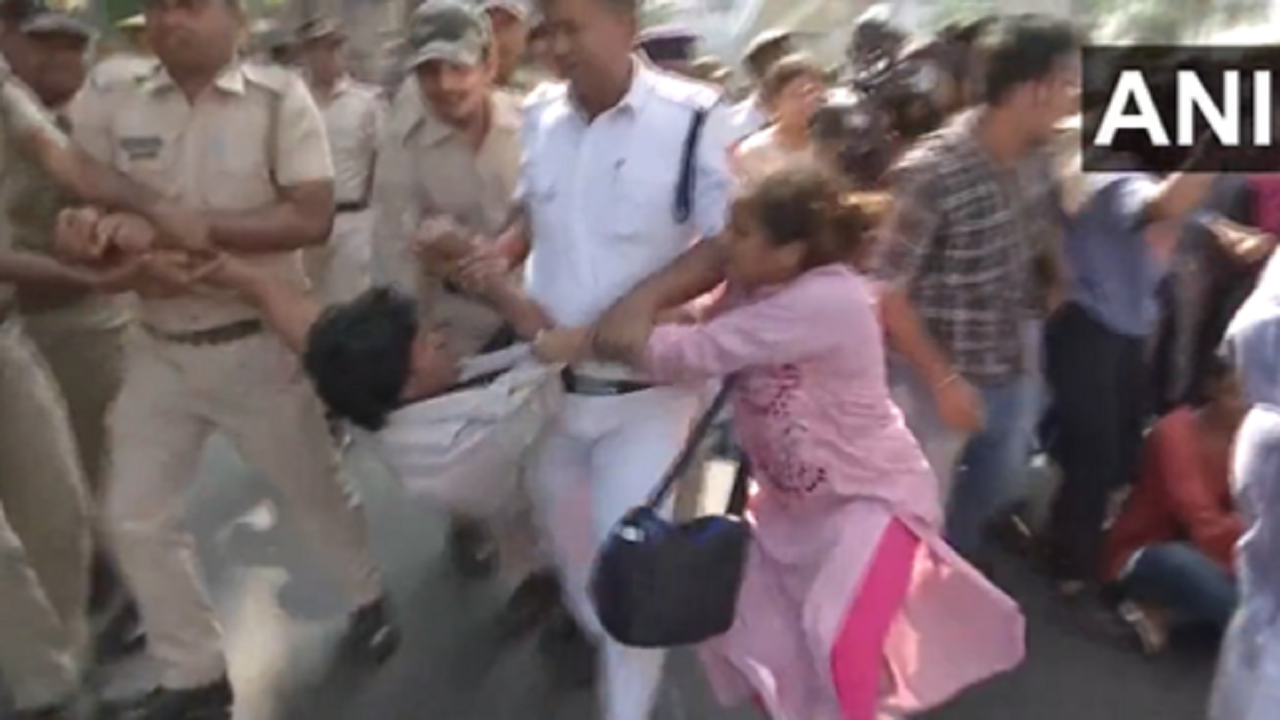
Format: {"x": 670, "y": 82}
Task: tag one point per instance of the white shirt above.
{"x": 601, "y": 194}
{"x": 353, "y": 118}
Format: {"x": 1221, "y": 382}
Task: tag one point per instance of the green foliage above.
{"x": 948, "y": 11}
{"x": 658, "y": 12}
{"x": 1167, "y": 21}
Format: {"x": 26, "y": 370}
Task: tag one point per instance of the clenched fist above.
{"x": 75, "y": 237}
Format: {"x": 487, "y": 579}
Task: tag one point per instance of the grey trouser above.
{"x": 44, "y": 531}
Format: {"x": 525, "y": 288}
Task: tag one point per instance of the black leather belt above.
{"x": 576, "y": 384}
{"x": 351, "y": 207}
{"x": 220, "y": 335}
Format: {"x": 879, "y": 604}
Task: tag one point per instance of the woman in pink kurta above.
{"x": 852, "y": 603}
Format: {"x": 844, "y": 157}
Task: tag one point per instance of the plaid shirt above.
{"x": 963, "y": 242}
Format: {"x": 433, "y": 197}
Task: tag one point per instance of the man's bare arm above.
{"x": 33, "y": 269}
{"x": 289, "y": 311}
{"x": 907, "y": 335}
{"x": 526, "y": 317}
{"x": 301, "y": 217}
{"x": 696, "y": 272}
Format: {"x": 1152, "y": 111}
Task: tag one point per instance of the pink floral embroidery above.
{"x": 771, "y": 433}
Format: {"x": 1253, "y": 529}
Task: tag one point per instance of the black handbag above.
{"x": 659, "y": 584}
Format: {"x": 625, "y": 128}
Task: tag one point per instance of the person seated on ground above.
{"x": 1170, "y": 551}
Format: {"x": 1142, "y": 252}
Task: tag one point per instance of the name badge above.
{"x": 141, "y": 148}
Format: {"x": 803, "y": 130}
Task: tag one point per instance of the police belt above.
{"x": 351, "y": 207}
{"x": 218, "y": 335}
{"x": 576, "y": 384}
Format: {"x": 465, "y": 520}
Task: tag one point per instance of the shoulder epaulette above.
{"x": 271, "y": 76}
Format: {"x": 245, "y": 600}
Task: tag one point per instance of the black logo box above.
{"x": 1159, "y": 66}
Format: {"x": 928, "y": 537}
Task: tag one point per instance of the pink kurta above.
{"x": 836, "y": 467}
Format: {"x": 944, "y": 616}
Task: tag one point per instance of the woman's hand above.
{"x": 1246, "y": 244}
{"x": 130, "y": 234}
{"x": 959, "y": 405}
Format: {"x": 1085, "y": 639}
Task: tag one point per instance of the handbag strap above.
{"x": 689, "y": 452}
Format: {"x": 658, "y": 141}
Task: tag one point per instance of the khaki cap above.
{"x": 133, "y": 22}
{"x": 320, "y": 28}
{"x": 766, "y": 40}
{"x": 448, "y": 30}
{"x": 57, "y": 23}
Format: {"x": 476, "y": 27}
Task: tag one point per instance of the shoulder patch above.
{"x": 276, "y": 78}
{"x": 684, "y": 91}
{"x": 120, "y": 73}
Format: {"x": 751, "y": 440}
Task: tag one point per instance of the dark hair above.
{"x": 359, "y": 355}
{"x": 1023, "y": 49}
{"x": 803, "y": 203}
{"x": 788, "y": 70}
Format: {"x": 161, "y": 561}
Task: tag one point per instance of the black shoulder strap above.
{"x": 689, "y": 166}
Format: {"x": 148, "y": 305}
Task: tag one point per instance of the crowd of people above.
{"x": 201, "y": 236}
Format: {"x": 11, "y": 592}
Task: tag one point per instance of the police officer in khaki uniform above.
{"x": 79, "y": 333}
{"x": 509, "y": 21}
{"x": 132, "y": 54}
{"x": 245, "y": 144}
{"x": 451, "y": 162}
{"x": 44, "y": 527}
{"x": 353, "y": 115}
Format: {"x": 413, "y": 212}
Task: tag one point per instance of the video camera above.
{"x": 896, "y": 92}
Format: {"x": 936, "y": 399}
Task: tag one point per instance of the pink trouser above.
{"x": 857, "y": 657}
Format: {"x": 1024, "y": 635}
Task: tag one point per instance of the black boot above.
{"x": 372, "y": 636}
{"x": 207, "y": 702}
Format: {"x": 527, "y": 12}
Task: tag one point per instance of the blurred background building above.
{"x": 728, "y": 25}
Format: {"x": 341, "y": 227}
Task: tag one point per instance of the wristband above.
{"x": 947, "y": 381}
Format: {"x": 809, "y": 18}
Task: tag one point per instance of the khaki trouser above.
{"x": 83, "y": 346}
{"x": 174, "y": 396}
{"x": 340, "y": 269}
{"x": 44, "y": 531}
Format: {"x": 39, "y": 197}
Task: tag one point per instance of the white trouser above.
{"x": 602, "y": 458}
{"x": 340, "y": 269}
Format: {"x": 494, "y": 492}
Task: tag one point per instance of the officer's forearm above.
{"x": 303, "y": 220}
{"x": 513, "y": 241}
{"x": 89, "y": 180}
{"x": 524, "y": 315}
{"x": 696, "y": 272}
{"x": 289, "y": 311}
{"x": 32, "y": 269}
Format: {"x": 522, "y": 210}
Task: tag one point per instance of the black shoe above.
{"x": 207, "y": 702}
{"x": 533, "y": 602}
{"x": 471, "y": 548}
{"x": 571, "y": 654}
{"x": 372, "y": 637}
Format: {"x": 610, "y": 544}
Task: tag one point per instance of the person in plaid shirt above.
{"x": 964, "y": 289}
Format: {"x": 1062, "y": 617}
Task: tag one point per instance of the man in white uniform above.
{"x": 353, "y": 114}
{"x": 601, "y": 183}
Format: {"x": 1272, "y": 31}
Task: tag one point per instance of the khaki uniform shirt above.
{"x": 20, "y": 111}
{"x": 353, "y": 119}
{"x": 425, "y": 169}
{"x": 255, "y": 128}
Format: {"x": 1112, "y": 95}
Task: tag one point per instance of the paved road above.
{"x": 450, "y": 667}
